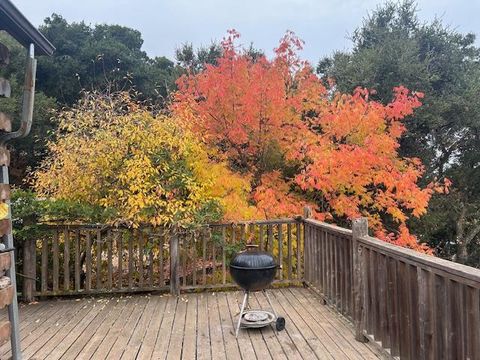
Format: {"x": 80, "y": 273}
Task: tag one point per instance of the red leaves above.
{"x": 344, "y": 146}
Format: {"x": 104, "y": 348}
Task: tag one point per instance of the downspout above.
{"x": 27, "y": 100}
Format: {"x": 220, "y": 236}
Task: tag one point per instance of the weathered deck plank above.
{"x": 231, "y": 345}
{"x": 190, "y": 337}
{"x": 193, "y": 326}
{"x": 216, "y": 334}
{"x": 203, "y": 331}
{"x": 148, "y": 344}
{"x": 335, "y": 324}
{"x": 245, "y": 347}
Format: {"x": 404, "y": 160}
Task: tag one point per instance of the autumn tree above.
{"x": 303, "y": 143}
{"x": 111, "y": 152}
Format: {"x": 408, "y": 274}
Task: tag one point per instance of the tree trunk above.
{"x": 463, "y": 238}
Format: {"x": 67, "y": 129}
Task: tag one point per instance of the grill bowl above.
{"x": 253, "y": 270}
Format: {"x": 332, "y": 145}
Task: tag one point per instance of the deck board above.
{"x": 193, "y": 326}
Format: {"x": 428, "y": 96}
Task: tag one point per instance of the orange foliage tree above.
{"x": 303, "y": 143}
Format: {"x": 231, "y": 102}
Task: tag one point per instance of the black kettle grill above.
{"x": 254, "y": 270}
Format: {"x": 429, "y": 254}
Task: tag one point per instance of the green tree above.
{"x": 391, "y": 48}
{"x": 100, "y": 57}
{"x": 194, "y": 60}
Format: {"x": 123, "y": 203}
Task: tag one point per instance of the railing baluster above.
{"x": 299, "y": 242}
{"x": 323, "y": 250}
{"x": 424, "y": 308}
{"x": 44, "y": 284}
{"x": 66, "y": 260}
{"x": 98, "y": 274}
{"x": 382, "y": 298}
{"x": 184, "y": 258}
{"x": 109, "y": 260}
{"x": 347, "y": 280}
{"x": 151, "y": 261}
{"x": 341, "y": 275}
{"x": 413, "y": 312}
{"x": 289, "y": 251}
{"x": 140, "y": 257}
{"x": 56, "y": 259}
{"x": 270, "y": 238}
{"x": 306, "y": 255}
{"x": 88, "y": 261}
{"x": 280, "y": 249}
{"x": 331, "y": 274}
{"x": 473, "y": 319}
{"x": 393, "y": 308}
{"x": 194, "y": 257}
{"x": 77, "y": 260}
{"x": 130, "y": 260}
{"x": 403, "y": 311}
{"x": 204, "y": 257}
{"x": 120, "y": 258}
{"x": 251, "y": 232}
{"x": 318, "y": 259}
{"x": 160, "y": 255}
{"x": 224, "y": 260}
{"x": 214, "y": 257}
{"x": 174, "y": 263}
{"x": 260, "y": 235}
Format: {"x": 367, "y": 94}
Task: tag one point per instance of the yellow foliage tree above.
{"x": 112, "y": 152}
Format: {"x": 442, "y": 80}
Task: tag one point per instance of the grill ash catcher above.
{"x": 254, "y": 270}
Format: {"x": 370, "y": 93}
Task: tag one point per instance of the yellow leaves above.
{"x": 147, "y": 168}
{"x": 3, "y": 211}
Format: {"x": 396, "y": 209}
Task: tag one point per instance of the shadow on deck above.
{"x": 193, "y": 326}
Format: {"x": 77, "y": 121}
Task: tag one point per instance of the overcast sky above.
{"x": 325, "y": 25}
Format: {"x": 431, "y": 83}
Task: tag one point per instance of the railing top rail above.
{"x": 427, "y": 261}
{"x": 257, "y": 222}
{"x": 225, "y": 223}
{"x": 330, "y": 227}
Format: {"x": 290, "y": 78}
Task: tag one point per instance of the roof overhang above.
{"x": 17, "y": 25}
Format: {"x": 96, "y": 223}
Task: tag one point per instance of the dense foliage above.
{"x": 112, "y": 153}
{"x": 336, "y": 152}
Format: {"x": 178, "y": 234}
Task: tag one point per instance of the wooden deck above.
{"x": 193, "y": 326}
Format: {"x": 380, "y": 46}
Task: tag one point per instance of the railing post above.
{"x": 359, "y": 229}
{"x": 307, "y": 212}
{"x": 29, "y": 267}
{"x": 174, "y": 263}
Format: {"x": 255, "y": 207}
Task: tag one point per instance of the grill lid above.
{"x": 253, "y": 259}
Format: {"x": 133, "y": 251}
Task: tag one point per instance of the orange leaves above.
{"x": 241, "y": 105}
{"x": 353, "y": 162}
{"x": 338, "y": 151}
{"x": 274, "y": 198}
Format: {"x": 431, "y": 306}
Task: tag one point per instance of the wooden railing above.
{"x": 328, "y": 264}
{"x": 416, "y": 306}
{"x": 80, "y": 259}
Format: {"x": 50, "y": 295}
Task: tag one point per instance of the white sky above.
{"x": 165, "y": 24}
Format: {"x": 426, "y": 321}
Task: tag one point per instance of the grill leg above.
{"x": 270, "y": 303}
{"x": 244, "y": 303}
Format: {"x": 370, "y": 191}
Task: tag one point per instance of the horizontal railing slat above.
{"x": 441, "y": 266}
